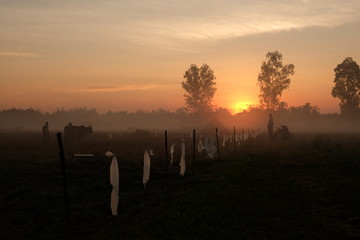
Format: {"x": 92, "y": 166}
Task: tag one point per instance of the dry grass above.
{"x": 306, "y": 188}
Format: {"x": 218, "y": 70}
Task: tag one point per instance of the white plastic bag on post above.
{"x": 201, "y": 146}
{"x": 172, "y": 151}
{"x": 114, "y": 181}
{"x": 211, "y": 148}
{"x": 182, "y": 160}
{"x": 146, "y": 172}
{"x": 246, "y": 136}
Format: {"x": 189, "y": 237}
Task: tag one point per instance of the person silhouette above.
{"x": 270, "y": 127}
{"x": 46, "y": 133}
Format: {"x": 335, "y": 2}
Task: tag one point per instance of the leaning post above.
{"x": 63, "y": 168}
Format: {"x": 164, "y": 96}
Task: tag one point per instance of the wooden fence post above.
{"x": 234, "y": 138}
{"x": 242, "y": 135}
{"x": 217, "y": 142}
{"x": 166, "y": 153}
{"x": 193, "y": 161}
{"x": 63, "y": 168}
{"x": 167, "y": 165}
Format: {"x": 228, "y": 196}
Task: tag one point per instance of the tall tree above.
{"x": 273, "y": 79}
{"x": 200, "y": 88}
{"x": 347, "y": 86}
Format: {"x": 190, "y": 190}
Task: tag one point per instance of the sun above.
{"x": 240, "y": 106}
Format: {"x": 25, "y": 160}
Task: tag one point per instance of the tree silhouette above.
{"x": 305, "y": 110}
{"x": 200, "y": 88}
{"x": 273, "y": 79}
{"x": 347, "y": 86}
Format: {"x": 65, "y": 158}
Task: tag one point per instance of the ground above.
{"x": 304, "y": 188}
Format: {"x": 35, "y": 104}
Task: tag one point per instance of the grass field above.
{"x": 305, "y": 188}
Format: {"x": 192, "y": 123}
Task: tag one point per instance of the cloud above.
{"x": 19, "y": 54}
{"x": 118, "y": 88}
{"x": 238, "y": 19}
{"x": 168, "y": 24}
{"x": 171, "y": 25}
{"x": 124, "y": 88}
{"x": 99, "y": 88}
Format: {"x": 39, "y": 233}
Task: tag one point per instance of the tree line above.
{"x": 305, "y": 118}
{"x": 273, "y": 79}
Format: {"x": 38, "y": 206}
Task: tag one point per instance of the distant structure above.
{"x": 212, "y": 124}
{"x": 46, "y": 133}
{"x": 76, "y": 132}
{"x": 270, "y": 127}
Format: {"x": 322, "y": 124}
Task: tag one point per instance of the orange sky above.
{"x": 132, "y": 55}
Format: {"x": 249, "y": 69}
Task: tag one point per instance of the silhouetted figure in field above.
{"x": 270, "y": 127}
{"x": 46, "y": 133}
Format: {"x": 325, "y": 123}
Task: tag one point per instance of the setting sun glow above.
{"x": 240, "y": 106}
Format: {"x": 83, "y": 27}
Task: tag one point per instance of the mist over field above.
{"x": 304, "y": 119}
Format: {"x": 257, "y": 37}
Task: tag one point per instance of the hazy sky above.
{"x": 129, "y": 55}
